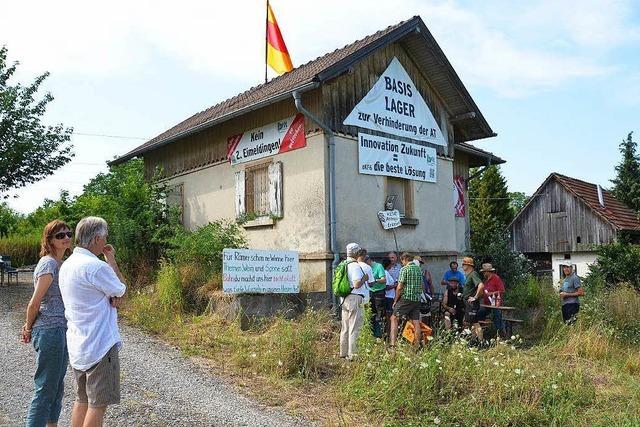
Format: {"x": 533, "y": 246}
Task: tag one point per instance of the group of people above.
{"x": 403, "y": 287}
{"x": 72, "y": 319}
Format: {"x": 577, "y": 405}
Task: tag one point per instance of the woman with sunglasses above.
{"x": 46, "y": 327}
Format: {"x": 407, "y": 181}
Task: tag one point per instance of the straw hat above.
{"x": 468, "y": 261}
{"x": 487, "y": 267}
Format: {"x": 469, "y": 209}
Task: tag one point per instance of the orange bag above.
{"x": 409, "y": 332}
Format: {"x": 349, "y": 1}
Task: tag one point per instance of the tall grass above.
{"x": 587, "y": 373}
{"x": 23, "y": 250}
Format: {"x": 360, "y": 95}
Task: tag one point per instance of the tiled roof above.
{"x": 614, "y": 211}
{"x": 326, "y": 67}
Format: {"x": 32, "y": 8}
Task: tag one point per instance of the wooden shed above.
{"x": 564, "y": 222}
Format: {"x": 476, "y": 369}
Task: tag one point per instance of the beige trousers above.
{"x": 352, "y": 320}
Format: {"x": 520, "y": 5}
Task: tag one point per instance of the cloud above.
{"x": 514, "y": 49}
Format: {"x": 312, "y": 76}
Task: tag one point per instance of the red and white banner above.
{"x": 269, "y": 140}
{"x": 458, "y": 196}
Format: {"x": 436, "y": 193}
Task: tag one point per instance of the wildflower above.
{"x": 429, "y": 338}
{"x": 423, "y": 365}
{"x": 513, "y": 347}
{"x": 513, "y": 337}
{"x": 369, "y": 365}
{"x": 436, "y": 421}
{"x": 476, "y": 359}
{"x": 253, "y": 355}
{"x": 438, "y": 361}
{"x": 518, "y": 371}
{"x": 280, "y": 363}
{"x": 554, "y": 386}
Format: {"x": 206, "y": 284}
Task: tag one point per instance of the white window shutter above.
{"x": 240, "y": 207}
{"x": 275, "y": 189}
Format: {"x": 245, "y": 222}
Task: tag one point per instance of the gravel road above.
{"x": 160, "y": 387}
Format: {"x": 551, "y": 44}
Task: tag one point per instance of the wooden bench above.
{"x": 509, "y": 322}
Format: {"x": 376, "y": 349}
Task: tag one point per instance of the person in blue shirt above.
{"x": 453, "y": 272}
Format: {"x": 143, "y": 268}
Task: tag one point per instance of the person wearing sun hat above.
{"x": 493, "y": 289}
{"x": 471, "y": 295}
{"x": 453, "y": 304}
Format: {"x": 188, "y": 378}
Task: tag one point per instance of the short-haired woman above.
{"x": 46, "y": 327}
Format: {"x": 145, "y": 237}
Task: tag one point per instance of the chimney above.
{"x": 600, "y": 196}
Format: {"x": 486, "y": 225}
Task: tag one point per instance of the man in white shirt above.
{"x": 91, "y": 291}
{"x": 353, "y": 304}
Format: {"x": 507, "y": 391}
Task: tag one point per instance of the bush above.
{"x": 511, "y": 266}
{"x": 617, "y": 309}
{"x": 169, "y": 288}
{"x": 203, "y": 247}
{"x": 618, "y": 263}
{"x": 23, "y": 250}
{"x": 196, "y": 257}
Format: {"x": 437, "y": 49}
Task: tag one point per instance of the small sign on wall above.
{"x": 260, "y": 271}
{"x": 269, "y": 140}
{"x": 459, "y": 206}
{"x": 378, "y": 155}
{"x": 389, "y": 219}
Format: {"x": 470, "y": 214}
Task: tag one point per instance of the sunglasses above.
{"x": 63, "y": 234}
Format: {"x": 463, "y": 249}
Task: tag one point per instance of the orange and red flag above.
{"x": 277, "y": 54}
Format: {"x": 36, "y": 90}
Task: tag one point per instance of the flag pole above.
{"x": 266, "y": 42}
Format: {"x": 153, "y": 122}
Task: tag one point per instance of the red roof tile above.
{"x": 615, "y": 212}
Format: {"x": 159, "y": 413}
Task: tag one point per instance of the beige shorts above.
{"x": 100, "y": 385}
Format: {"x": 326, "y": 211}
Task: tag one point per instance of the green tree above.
{"x": 626, "y": 185}
{"x": 29, "y": 150}
{"x": 8, "y": 220}
{"x": 517, "y": 200}
{"x": 489, "y": 208}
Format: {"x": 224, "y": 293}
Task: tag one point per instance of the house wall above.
{"x": 581, "y": 260}
{"x": 361, "y": 196}
{"x": 554, "y": 220}
{"x": 209, "y": 195}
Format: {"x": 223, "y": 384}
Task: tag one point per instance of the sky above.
{"x": 558, "y": 81}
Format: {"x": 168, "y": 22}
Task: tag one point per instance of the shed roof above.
{"x": 469, "y": 122}
{"x": 477, "y": 156}
{"x": 616, "y": 213}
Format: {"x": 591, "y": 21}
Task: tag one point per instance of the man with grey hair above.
{"x": 353, "y": 304}
{"x": 91, "y": 291}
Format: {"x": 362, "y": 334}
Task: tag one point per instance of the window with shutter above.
{"x": 256, "y": 190}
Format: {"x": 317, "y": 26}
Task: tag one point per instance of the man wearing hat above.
{"x": 570, "y": 293}
{"x": 472, "y": 293}
{"x": 352, "y": 304}
{"x": 453, "y": 304}
{"x": 493, "y": 291}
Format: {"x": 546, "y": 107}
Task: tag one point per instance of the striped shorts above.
{"x": 100, "y": 385}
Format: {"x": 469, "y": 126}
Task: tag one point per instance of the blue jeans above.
{"x": 51, "y": 366}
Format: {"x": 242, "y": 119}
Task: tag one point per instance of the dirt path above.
{"x": 160, "y": 387}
